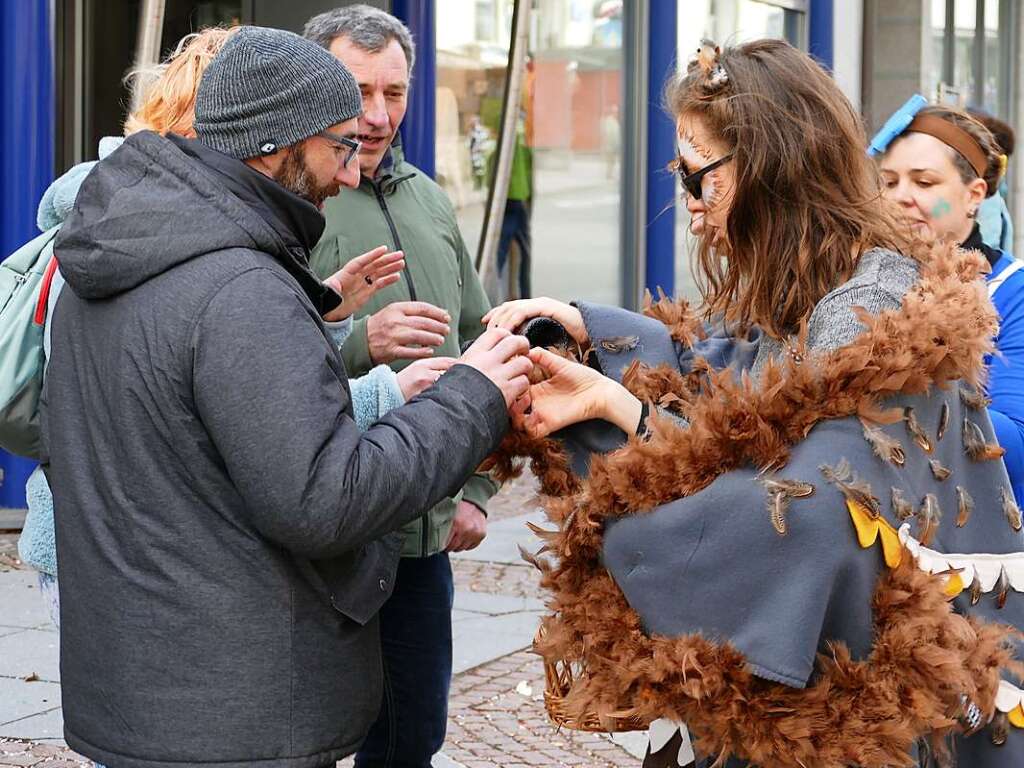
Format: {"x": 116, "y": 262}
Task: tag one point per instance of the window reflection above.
{"x": 993, "y": 58}
{"x": 953, "y": 74}
{"x": 563, "y": 213}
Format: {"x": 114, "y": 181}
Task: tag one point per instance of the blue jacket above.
{"x": 1006, "y": 367}
{"x": 373, "y": 395}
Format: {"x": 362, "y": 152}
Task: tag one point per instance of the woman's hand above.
{"x": 573, "y": 393}
{"x": 513, "y": 314}
{"x": 362, "y": 277}
{"x": 416, "y": 377}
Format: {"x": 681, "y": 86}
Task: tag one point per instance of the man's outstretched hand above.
{"x": 361, "y": 278}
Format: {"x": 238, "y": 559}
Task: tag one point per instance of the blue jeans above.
{"x": 515, "y": 226}
{"x": 416, "y": 640}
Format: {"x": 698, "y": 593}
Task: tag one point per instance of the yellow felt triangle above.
{"x": 954, "y": 585}
{"x": 1017, "y": 716}
{"x": 892, "y": 548}
{"x": 867, "y": 528}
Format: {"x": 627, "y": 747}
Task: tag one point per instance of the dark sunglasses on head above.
{"x": 347, "y": 145}
{"x": 692, "y": 182}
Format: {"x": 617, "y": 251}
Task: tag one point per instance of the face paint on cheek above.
{"x": 694, "y": 161}
{"x": 710, "y": 188}
{"x": 940, "y": 209}
{"x": 691, "y": 157}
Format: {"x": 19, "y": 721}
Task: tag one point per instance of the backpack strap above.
{"x": 44, "y": 292}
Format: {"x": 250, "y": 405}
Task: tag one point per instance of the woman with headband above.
{"x": 788, "y": 566}
{"x": 940, "y": 168}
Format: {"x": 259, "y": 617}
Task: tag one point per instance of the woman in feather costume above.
{"x": 781, "y": 519}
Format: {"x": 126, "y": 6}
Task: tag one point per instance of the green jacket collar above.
{"x": 393, "y": 169}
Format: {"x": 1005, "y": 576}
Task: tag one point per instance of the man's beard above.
{"x": 294, "y": 176}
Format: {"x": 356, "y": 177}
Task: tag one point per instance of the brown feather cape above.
{"x": 855, "y": 712}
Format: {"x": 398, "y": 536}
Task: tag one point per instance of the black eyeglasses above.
{"x": 350, "y": 145}
{"x": 692, "y": 182}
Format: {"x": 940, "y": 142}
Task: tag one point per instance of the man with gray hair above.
{"x": 433, "y": 311}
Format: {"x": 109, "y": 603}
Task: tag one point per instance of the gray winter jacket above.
{"x": 219, "y": 515}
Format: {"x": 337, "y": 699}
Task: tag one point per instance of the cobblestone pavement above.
{"x": 497, "y": 720}
{"x": 497, "y": 578}
{"x": 9, "y": 550}
{"x": 520, "y": 579}
{"x": 516, "y": 497}
{"x": 24, "y": 753}
{"x": 496, "y": 710}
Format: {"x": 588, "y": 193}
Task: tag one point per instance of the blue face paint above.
{"x": 940, "y": 209}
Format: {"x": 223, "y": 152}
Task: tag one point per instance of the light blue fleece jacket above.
{"x": 373, "y": 395}
{"x": 996, "y": 225}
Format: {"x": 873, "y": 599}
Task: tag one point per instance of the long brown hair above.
{"x": 807, "y": 199}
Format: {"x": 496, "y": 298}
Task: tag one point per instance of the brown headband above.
{"x": 952, "y": 136}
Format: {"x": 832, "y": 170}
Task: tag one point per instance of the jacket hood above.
{"x": 59, "y": 197}
{"x": 146, "y": 208}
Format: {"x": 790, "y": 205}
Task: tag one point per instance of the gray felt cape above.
{"x": 730, "y": 573}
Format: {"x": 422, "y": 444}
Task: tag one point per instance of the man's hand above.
{"x": 406, "y": 330}
{"x": 468, "y": 528}
{"x": 362, "y": 277}
{"x": 417, "y": 376}
{"x": 501, "y": 357}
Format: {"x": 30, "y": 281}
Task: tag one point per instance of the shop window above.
{"x": 968, "y": 54}
{"x": 564, "y": 186}
{"x": 96, "y": 50}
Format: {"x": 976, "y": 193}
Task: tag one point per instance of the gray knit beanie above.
{"x": 268, "y": 89}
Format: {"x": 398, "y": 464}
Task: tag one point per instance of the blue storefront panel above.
{"x": 26, "y": 164}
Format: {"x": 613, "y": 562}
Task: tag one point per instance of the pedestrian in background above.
{"x": 479, "y": 145}
{"x": 221, "y": 522}
{"x": 611, "y": 141}
{"x": 515, "y": 224}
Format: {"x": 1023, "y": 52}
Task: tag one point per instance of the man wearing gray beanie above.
{"x": 224, "y": 529}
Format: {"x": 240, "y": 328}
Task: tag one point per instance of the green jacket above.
{"x": 406, "y": 210}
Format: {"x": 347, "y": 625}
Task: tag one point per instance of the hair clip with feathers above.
{"x": 708, "y": 58}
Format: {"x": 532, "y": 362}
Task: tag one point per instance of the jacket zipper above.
{"x": 425, "y": 520}
{"x": 394, "y": 234}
